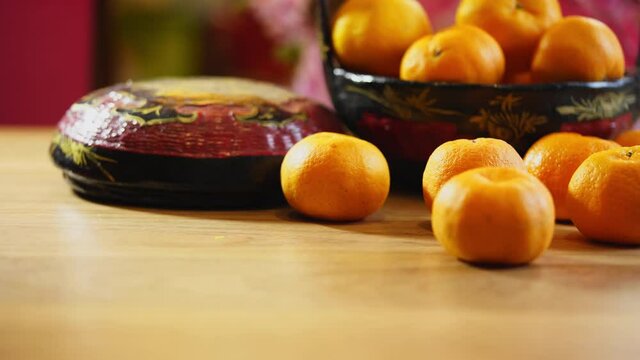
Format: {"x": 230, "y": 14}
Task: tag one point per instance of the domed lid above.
{"x": 195, "y": 118}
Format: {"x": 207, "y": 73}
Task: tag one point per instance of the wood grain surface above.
{"x": 80, "y": 280}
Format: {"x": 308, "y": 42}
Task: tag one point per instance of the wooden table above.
{"x": 80, "y": 280}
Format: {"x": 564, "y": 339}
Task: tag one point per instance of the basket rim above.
{"x": 362, "y": 78}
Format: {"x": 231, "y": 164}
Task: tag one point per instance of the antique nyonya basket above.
{"x": 184, "y": 142}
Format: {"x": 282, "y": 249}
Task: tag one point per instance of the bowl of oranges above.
{"x": 512, "y": 70}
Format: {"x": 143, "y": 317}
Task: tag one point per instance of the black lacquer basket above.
{"x": 408, "y": 120}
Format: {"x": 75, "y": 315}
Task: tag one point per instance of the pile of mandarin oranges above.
{"x": 493, "y": 41}
{"x": 488, "y": 204}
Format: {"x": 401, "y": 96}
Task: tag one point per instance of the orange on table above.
{"x": 604, "y": 196}
{"x": 372, "y": 35}
{"x": 460, "y": 53}
{"x": 554, "y": 158}
{"x": 494, "y": 216}
{"x": 629, "y": 138}
{"x": 517, "y": 25}
{"x": 578, "y": 48}
{"x": 335, "y": 177}
{"x": 457, "y": 156}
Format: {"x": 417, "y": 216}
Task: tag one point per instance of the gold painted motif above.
{"x": 416, "y": 105}
{"x": 502, "y": 120}
{"x": 269, "y": 115}
{"x": 164, "y": 101}
{"x": 603, "y": 106}
{"x": 81, "y": 155}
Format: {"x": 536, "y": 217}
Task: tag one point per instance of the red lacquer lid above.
{"x": 195, "y": 118}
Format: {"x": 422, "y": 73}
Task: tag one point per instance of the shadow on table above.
{"x": 256, "y": 214}
{"x": 376, "y": 224}
{"x": 568, "y": 238}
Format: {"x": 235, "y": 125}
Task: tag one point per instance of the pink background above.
{"x": 46, "y": 58}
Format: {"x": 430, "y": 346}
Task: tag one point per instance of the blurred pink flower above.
{"x": 289, "y": 22}
{"x": 308, "y": 79}
{"x": 284, "y": 20}
{"x": 441, "y": 12}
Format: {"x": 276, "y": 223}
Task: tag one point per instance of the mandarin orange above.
{"x": 460, "y": 53}
{"x": 494, "y": 216}
{"x": 372, "y": 35}
{"x": 335, "y": 177}
{"x": 604, "y": 196}
{"x": 629, "y": 138}
{"x": 555, "y": 157}
{"x": 578, "y": 48}
{"x": 454, "y": 157}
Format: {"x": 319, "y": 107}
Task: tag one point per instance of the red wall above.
{"x": 46, "y": 51}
